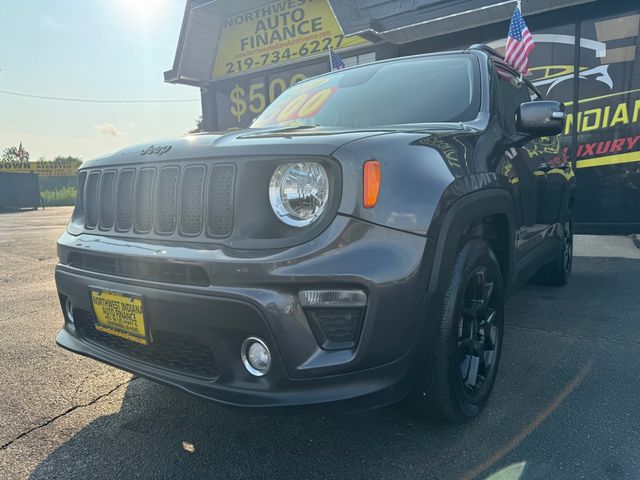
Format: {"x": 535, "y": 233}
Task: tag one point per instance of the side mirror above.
{"x": 544, "y": 118}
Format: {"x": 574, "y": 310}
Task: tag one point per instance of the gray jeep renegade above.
{"x": 352, "y": 248}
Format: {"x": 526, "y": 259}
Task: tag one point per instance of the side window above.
{"x": 513, "y": 92}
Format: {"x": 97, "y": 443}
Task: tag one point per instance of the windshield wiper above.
{"x": 291, "y": 129}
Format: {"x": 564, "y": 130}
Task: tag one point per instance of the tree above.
{"x": 199, "y": 126}
{"x": 12, "y": 154}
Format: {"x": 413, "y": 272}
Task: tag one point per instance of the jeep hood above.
{"x": 320, "y": 141}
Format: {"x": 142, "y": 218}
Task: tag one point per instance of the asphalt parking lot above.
{"x": 565, "y": 402}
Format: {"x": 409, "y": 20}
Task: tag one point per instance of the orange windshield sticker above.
{"x": 290, "y": 111}
{"x": 315, "y": 103}
{"x": 302, "y": 106}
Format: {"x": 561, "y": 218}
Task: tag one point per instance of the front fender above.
{"x": 450, "y": 226}
{"x": 416, "y": 170}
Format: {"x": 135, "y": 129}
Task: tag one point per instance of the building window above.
{"x": 359, "y": 59}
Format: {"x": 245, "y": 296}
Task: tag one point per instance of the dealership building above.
{"x": 242, "y": 54}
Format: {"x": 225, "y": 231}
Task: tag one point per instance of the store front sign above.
{"x": 279, "y": 32}
{"x": 58, "y": 168}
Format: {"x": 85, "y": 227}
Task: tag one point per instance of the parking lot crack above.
{"x": 66, "y": 412}
{"x": 574, "y": 337}
{"x": 91, "y": 375}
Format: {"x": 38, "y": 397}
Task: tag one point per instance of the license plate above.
{"x": 120, "y": 314}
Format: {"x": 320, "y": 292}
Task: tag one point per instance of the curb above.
{"x": 636, "y": 239}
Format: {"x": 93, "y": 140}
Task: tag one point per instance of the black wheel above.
{"x": 558, "y": 271}
{"x": 463, "y": 357}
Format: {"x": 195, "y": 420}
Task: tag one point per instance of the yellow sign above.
{"x": 119, "y": 315}
{"x": 279, "y": 32}
{"x": 57, "y": 168}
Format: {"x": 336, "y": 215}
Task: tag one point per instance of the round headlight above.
{"x": 299, "y": 192}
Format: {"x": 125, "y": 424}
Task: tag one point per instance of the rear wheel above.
{"x": 462, "y": 363}
{"x": 558, "y": 271}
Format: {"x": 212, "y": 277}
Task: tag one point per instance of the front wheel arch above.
{"x": 456, "y": 222}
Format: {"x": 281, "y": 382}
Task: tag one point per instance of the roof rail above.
{"x": 486, "y": 49}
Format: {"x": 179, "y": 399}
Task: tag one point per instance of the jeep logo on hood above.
{"x": 159, "y": 150}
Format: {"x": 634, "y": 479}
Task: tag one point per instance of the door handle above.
{"x": 545, "y": 167}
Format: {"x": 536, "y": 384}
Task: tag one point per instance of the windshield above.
{"x": 420, "y": 90}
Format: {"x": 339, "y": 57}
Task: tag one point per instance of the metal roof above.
{"x": 403, "y": 21}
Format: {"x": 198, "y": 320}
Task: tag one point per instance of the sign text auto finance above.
{"x": 118, "y": 312}
{"x": 279, "y": 32}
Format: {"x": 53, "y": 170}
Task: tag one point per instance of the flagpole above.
{"x": 519, "y": 6}
{"x": 519, "y": 3}
{"x": 330, "y": 60}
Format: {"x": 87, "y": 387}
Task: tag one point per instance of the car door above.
{"x": 526, "y": 176}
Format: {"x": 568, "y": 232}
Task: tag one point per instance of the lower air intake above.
{"x": 169, "y": 350}
{"x": 335, "y": 328}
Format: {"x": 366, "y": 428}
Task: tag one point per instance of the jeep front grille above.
{"x": 189, "y": 201}
{"x": 220, "y": 218}
{"x": 91, "y": 200}
{"x": 124, "y": 201}
{"x": 144, "y": 200}
{"x": 191, "y": 206}
{"x": 107, "y": 199}
{"x": 166, "y": 200}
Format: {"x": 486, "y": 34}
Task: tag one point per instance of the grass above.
{"x": 65, "y": 196}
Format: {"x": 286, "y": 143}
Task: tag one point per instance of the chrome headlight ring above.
{"x": 299, "y": 192}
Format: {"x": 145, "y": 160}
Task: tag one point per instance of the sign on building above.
{"x": 280, "y": 32}
{"x": 57, "y": 168}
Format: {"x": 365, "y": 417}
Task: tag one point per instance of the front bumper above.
{"x": 255, "y": 294}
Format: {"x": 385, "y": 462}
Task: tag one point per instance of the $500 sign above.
{"x": 255, "y": 97}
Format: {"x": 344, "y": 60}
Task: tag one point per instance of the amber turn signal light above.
{"x": 371, "y": 183}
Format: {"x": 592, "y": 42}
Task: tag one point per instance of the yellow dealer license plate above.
{"x": 120, "y": 314}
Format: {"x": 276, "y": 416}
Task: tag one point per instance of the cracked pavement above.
{"x": 564, "y": 401}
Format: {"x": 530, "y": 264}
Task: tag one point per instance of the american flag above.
{"x": 519, "y": 43}
{"x": 336, "y": 61}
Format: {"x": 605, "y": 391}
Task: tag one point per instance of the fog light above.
{"x": 68, "y": 309}
{"x": 255, "y": 356}
{"x": 333, "y": 298}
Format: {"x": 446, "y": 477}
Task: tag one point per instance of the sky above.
{"x": 94, "y": 49}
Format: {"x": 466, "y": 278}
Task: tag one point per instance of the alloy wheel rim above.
{"x": 478, "y": 332}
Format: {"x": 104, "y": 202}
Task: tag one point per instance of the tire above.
{"x": 558, "y": 271}
{"x": 463, "y": 357}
